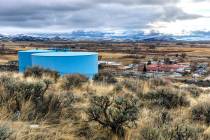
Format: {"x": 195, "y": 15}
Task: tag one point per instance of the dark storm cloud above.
{"x": 83, "y": 14}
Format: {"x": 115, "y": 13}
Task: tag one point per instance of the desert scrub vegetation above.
{"x": 179, "y": 131}
{"x": 72, "y": 81}
{"x": 40, "y": 104}
{"x": 39, "y": 72}
{"x": 74, "y": 107}
{"x": 201, "y": 112}
{"x": 106, "y": 77}
{"x": 156, "y": 82}
{"x": 114, "y": 114}
{"x": 133, "y": 85}
{"x": 5, "y": 132}
{"x": 194, "y": 91}
{"x": 167, "y": 97}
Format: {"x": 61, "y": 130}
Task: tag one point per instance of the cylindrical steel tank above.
{"x": 24, "y": 58}
{"x": 85, "y": 63}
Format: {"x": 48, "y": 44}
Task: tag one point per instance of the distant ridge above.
{"x": 104, "y": 36}
{"x": 160, "y": 39}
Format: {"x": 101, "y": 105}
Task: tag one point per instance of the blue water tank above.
{"x": 24, "y": 58}
{"x": 85, "y": 63}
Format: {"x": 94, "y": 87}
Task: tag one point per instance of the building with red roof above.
{"x": 164, "y": 68}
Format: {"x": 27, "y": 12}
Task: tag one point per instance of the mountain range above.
{"x": 107, "y": 36}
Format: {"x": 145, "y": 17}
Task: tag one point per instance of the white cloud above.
{"x": 101, "y": 15}
{"x": 182, "y": 26}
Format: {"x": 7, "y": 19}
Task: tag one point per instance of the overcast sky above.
{"x": 165, "y": 16}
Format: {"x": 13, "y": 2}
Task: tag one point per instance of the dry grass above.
{"x": 191, "y": 51}
{"x": 6, "y": 58}
{"x": 73, "y": 128}
{"x": 194, "y": 51}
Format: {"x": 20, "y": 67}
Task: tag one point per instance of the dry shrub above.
{"x": 177, "y": 131}
{"x": 5, "y": 132}
{"x": 150, "y": 133}
{"x": 73, "y": 81}
{"x": 194, "y": 91}
{"x": 118, "y": 87}
{"x": 9, "y": 85}
{"x": 23, "y": 90}
{"x": 206, "y": 134}
{"x": 50, "y": 109}
{"x": 39, "y": 72}
{"x": 30, "y": 101}
{"x": 84, "y": 130}
{"x": 183, "y": 131}
{"x": 156, "y": 82}
{"x": 40, "y": 108}
{"x": 39, "y": 133}
{"x": 54, "y": 108}
{"x": 68, "y": 111}
{"x": 133, "y": 85}
{"x": 201, "y": 112}
{"x": 106, "y": 77}
{"x": 18, "y": 92}
{"x": 114, "y": 114}
{"x": 163, "y": 118}
{"x": 167, "y": 97}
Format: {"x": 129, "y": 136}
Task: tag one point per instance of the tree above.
{"x": 155, "y": 58}
{"x": 149, "y": 62}
{"x": 183, "y": 55}
{"x": 167, "y": 60}
{"x": 145, "y": 68}
{"x": 114, "y": 114}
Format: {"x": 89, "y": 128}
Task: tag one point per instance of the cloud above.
{"x": 172, "y": 13}
{"x": 89, "y": 14}
{"x": 201, "y": 0}
{"x": 138, "y": 2}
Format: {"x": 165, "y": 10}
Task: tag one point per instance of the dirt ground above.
{"x": 114, "y": 52}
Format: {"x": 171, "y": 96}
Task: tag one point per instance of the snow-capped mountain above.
{"x": 108, "y": 36}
